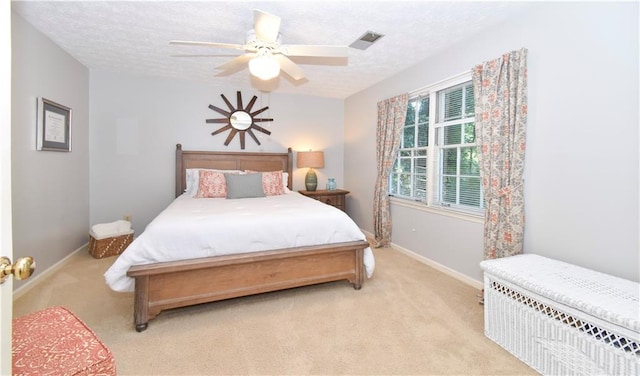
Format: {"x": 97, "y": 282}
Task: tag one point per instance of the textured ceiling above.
{"x": 133, "y": 36}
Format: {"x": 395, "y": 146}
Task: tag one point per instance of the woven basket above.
{"x": 112, "y": 246}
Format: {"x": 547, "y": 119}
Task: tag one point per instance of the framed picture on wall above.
{"x": 54, "y": 126}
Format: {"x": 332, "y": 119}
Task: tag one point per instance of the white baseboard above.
{"x": 444, "y": 269}
{"x": 33, "y": 281}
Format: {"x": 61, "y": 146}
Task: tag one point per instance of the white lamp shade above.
{"x": 264, "y": 67}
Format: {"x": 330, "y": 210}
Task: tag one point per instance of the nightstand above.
{"x": 335, "y": 198}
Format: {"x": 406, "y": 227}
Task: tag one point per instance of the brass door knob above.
{"x": 21, "y": 269}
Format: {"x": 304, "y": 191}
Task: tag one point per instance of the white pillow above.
{"x": 193, "y": 178}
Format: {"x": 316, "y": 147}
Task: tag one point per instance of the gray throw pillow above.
{"x": 244, "y": 186}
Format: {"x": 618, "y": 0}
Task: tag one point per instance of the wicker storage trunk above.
{"x": 562, "y": 319}
{"x": 111, "y": 246}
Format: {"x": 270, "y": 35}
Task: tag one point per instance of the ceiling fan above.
{"x": 264, "y": 52}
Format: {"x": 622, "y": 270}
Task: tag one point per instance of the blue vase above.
{"x": 331, "y": 184}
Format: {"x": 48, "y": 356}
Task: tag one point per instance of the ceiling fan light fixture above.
{"x": 265, "y": 53}
{"x": 265, "y": 67}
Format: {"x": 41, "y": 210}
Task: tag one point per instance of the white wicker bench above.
{"x": 562, "y": 319}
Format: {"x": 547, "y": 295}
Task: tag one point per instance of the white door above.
{"x": 6, "y": 289}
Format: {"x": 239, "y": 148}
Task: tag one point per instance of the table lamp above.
{"x": 311, "y": 159}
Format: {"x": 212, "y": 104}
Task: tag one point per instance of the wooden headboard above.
{"x": 230, "y": 161}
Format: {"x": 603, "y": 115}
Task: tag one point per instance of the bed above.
{"x": 272, "y": 259}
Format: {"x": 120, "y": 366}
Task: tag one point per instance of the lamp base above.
{"x": 311, "y": 180}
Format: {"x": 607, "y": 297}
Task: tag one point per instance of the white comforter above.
{"x": 202, "y": 227}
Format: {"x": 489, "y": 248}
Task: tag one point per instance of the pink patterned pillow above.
{"x": 271, "y": 183}
{"x": 212, "y": 184}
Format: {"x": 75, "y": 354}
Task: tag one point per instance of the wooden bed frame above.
{"x": 167, "y": 285}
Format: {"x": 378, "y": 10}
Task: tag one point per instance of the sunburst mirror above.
{"x": 240, "y": 120}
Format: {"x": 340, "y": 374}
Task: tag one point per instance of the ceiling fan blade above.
{"x": 235, "y": 65}
{"x": 266, "y": 26}
{"x": 289, "y": 67}
{"x": 314, "y": 50}
{"x": 208, "y": 44}
{"x": 204, "y": 55}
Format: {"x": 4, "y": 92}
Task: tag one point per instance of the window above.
{"x": 446, "y": 140}
{"x": 409, "y": 174}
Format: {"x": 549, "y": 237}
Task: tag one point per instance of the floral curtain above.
{"x": 391, "y": 117}
{"x": 500, "y": 91}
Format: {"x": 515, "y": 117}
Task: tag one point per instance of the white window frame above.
{"x": 416, "y": 152}
{"x": 431, "y": 204}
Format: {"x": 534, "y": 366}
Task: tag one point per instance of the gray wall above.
{"x": 136, "y": 123}
{"x": 581, "y": 173}
{"x": 582, "y": 153}
{"x": 50, "y": 189}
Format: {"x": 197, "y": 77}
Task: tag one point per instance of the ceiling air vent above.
{"x": 366, "y": 40}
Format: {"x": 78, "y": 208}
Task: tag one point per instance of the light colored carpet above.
{"x": 407, "y": 319}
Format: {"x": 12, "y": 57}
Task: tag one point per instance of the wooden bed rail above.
{"x": 167, "y": 285}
